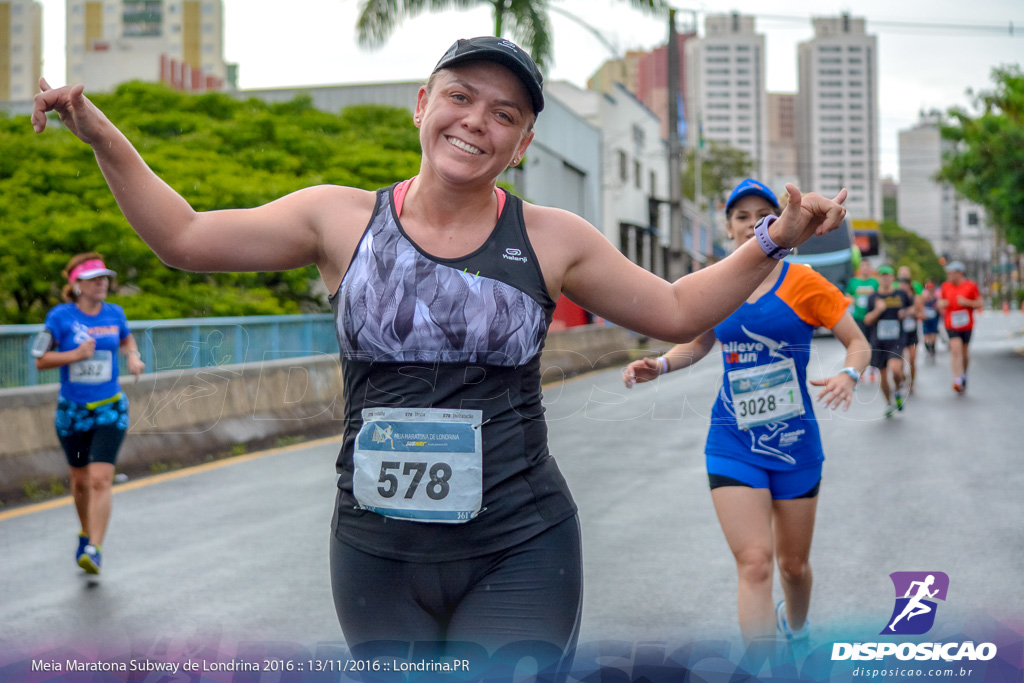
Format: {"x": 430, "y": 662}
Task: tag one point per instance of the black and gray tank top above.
{"x": 418, "y": 331}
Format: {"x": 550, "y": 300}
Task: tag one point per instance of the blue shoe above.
{"x": 780, "y": 622}
{"x": 83, "y": 541}
{"x": 90, "y": 560}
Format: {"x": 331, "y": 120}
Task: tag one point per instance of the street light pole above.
{"x": 675, "y": 186}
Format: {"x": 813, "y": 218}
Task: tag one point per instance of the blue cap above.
{"x": 750, "y": 187}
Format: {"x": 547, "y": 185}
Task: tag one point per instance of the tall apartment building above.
{"x": 725, "y": 87}
{"x": 837, "y": 114}
{"x": 21, "y": 48}
{"x": 954, "y": 226}
{"x": 112, "y": 41}
{"x": 781, "y": 166}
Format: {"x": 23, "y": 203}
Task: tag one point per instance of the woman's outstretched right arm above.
{"x": 280, "y": 235}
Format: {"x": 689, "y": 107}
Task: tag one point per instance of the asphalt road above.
{"x": 237, "y": 552}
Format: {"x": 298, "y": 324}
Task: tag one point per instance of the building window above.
{"x": 972, "y": 218}
{"x": 623, "y": 167}
{"x": 829, "y": 48}
{"x": 854, "y": 48}
{"x": 743, "y": 60}
{"x": 636, "y": 175}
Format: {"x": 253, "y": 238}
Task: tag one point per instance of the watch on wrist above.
{"x": 854, "y": 375}
{"x": 771, "y": 249}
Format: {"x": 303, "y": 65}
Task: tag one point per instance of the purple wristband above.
{"x": 767, "y": 243}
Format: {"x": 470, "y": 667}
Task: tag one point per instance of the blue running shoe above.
{"x": 780, "y": 622}
{"x": 90, "y": 560}
{"x": 83, "y": 541}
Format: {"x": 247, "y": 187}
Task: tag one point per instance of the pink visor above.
{"x": 87, "y": 270}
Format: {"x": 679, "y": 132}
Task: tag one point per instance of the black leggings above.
{"x": 531, "y": 592}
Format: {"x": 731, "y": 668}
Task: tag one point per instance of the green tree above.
{"x": 720, "y": 166}
{"x": 987, "y": 163}
{"x": 219, "y": 153}
{"x": 906, "y": 248}
{"x": 526, "y": 20}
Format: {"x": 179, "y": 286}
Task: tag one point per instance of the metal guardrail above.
{"x": 186, "y": 343}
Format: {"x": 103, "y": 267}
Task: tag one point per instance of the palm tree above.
{"x": 527, "y": 20}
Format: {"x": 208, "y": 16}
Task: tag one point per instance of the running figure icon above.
{"x": 915, "y": 606}
{"x": 917, "y": 594}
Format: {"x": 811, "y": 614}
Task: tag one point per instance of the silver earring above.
{"x": 77, "y": 290}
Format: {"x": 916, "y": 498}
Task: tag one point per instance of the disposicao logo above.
{"x": 916, "y": 593}
{"x": 913, "y": 615}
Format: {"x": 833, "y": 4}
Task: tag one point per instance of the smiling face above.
{"x": 475, "y": 120}
{"x": 745, "y": 215}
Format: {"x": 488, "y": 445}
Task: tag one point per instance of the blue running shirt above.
{"x": 97, "y": 378}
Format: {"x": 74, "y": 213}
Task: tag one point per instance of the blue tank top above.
{"x": 777, "y": 327}
{"x": 420, "y": 331}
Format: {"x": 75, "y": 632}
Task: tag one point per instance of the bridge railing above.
{"x": 186, "y": 343}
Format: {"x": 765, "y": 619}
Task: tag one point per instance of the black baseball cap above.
{"x": 504, "y": 52}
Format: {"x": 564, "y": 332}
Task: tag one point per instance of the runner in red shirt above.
{"x": 958, "y": 299}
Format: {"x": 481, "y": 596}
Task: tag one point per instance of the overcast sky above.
{"x": 920, "y": 67}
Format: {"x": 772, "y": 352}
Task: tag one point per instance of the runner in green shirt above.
{"x": 861, "y": 288}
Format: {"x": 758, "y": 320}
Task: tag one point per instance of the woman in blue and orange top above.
{"x": 82, "y": 337}
{"x": 763, "y": 451}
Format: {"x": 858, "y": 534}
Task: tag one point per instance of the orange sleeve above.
{"x": 813, "y": 298}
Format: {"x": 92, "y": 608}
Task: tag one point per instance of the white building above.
{"x": 837, "y": 114}
{"x": 955, "y": 227}
{"x": 21, "y": 48}
{"x": 634, "y": 170}
{"x": 113, "y": 41}
{"x": 725, "y": 87}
